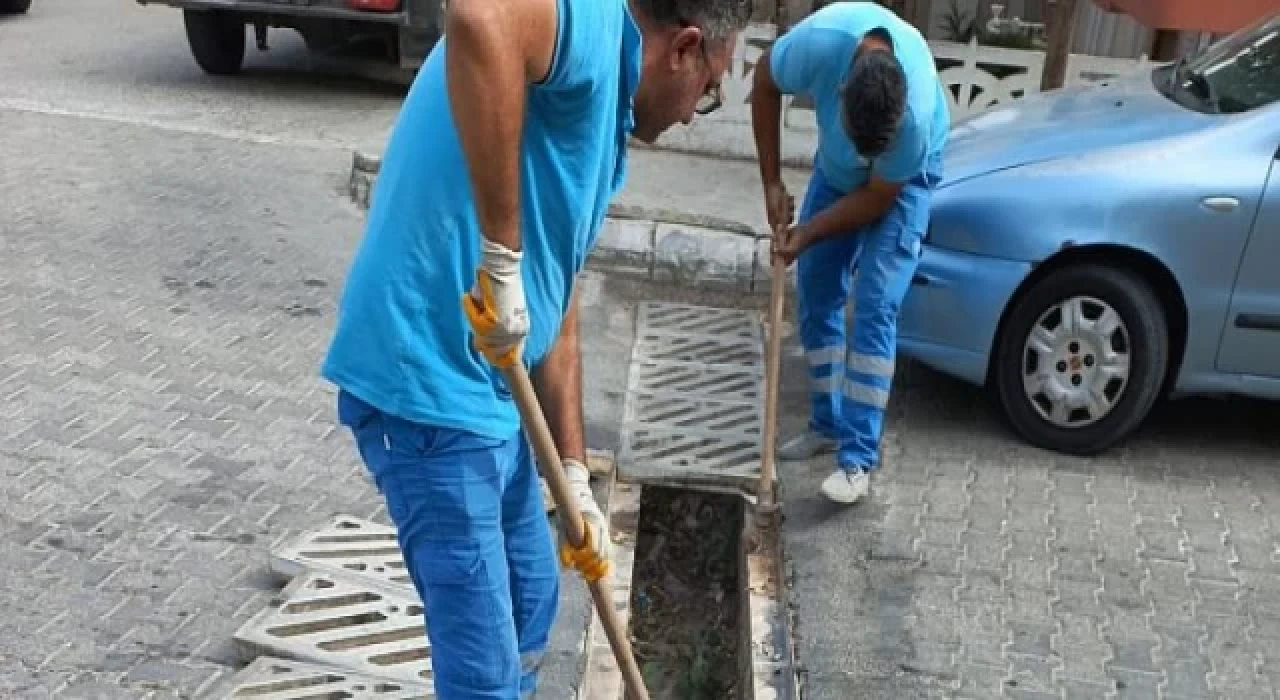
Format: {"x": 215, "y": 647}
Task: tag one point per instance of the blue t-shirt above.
{"x": 813, "y": 58}
{"x": 402, "y": 342}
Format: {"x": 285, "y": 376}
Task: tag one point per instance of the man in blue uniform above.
{"x": 883, "y": 121}
{"x": 496, "y": 179}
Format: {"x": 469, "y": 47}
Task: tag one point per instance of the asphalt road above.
{"x": 171, "y": 246}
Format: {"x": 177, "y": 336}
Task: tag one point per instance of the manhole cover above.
{"x": 693, "y": 408}
{"x": 693, "y": 413}
{"x": 700, "y": 349}
{"x": 725, "y": 382}
{"x": 687, "y": 319}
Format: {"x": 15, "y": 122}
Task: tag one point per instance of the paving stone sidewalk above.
{"x": 981, "y": 568}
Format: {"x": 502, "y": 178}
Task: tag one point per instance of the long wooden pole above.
{"x": 766, "y": 499}
{"x": 535, "y": 426}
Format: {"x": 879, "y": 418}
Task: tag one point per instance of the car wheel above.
{"x": 15, "y": 7}
{"x": 1081, "y": 359}
{"x": 216, "y": 39}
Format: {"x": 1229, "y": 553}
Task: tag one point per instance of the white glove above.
{"x": 496, "y": 304}
{"x": 579, "y": 478}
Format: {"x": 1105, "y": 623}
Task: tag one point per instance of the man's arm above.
{"x": 854, "y": 210}
{"x": 494, "y": 51}
{"x": 766, "y": 120}
{"x": 558, "y": 383}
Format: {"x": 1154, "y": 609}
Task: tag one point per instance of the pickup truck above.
{"x": 395, "y": 32}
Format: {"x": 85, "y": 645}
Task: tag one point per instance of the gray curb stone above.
{"x": 661, "y": 245}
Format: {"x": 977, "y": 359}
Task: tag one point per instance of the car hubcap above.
{"x": 1075, "y": 364}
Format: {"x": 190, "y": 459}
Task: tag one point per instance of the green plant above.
{"x": 957, "y": 25}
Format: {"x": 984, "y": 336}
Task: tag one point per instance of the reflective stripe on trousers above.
{"x": 851, "y": 378}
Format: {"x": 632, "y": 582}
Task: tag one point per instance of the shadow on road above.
{"x": 1205, "y": 429}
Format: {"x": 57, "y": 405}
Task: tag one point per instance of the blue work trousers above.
{"x": 850, "y": 381}
{"x": 477, "y": 543}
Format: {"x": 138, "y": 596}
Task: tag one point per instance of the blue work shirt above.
{"x": 402, "y": 342}
{"x": 814, "y": 57}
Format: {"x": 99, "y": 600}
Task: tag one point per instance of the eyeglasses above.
{"x": 712, "y": 97}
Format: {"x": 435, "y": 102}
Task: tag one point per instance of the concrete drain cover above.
{"x": 347, "y": 544}
{"x": 687, "y": 320}
{"x": 744, "y": 384}
{"x": 693, "y": 408}
{"x": 270, "y": 678}
{"x": 342, "y": 621}
{"x": 697, "y": 349}
{"x": 692, "y": 414}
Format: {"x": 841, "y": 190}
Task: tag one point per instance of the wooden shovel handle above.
{"x": 535, "y": 427}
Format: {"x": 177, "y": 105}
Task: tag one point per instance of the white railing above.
{"x": 977, "y": 78}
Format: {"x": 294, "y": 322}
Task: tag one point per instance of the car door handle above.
{"x": 1220, "y": 204}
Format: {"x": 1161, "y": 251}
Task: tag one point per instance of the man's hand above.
{"x": 779, "y": 205}
{"x": 790, "y": 242}
{"x": 592, "y": 518}
{"x": 496, "y": 305}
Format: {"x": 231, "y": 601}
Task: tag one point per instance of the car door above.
{"x": 1251, "y": 343}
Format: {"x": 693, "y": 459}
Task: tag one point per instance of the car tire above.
{"x": 1141, "y": 335}
{"x": 14, "y": 7}
{"x": 217, "y": 40}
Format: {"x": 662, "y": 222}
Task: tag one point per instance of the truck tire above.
{"x": 14, "y": 7}
{"x": 216, "y": 39}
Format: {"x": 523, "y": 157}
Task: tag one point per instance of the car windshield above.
{"x": 1237, "y": 74}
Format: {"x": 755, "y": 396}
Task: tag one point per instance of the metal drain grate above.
{"x": 732, "y": 459}
{"x": 347, "y": 544}
{"x": 693, "y": 406}
{"x": 697, "y": 349}
{"x": 695, "y": 415}
{"x": 343, "y": 621}
{"x": 726, "y": 383}
{"x": 271, "y": 678}
{"x": 687, "y": 320}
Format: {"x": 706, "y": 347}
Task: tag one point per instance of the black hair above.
{"x": 874, "y": 98}
{"x": 718, "y": 18}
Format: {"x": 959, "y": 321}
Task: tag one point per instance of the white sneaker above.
{"x": 806, "y": 445}
{"x": 846, "y": 487}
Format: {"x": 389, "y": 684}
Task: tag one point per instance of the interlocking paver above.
{"x": 1148, "y": 572}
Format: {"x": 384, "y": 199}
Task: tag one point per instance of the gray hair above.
{"x": 717, "y": 18}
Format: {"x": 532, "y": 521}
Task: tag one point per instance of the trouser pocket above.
{"x": 468, "y": 611}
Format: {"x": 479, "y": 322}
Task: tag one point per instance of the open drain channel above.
{"x": 706, "y": 612}
{"x": 686, "y": 590}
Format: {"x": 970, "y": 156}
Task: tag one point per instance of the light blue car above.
{"x": 1095, "y": 249}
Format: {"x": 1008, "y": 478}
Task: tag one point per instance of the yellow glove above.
{"x": 495, "y": 306}
{"x": 593, "y": 559}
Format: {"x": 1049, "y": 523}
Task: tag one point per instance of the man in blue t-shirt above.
{"x": 495, "y": 181}
{"x": 883, "y": 120}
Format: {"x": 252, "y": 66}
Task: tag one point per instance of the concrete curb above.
{"x": 659, "y": 245}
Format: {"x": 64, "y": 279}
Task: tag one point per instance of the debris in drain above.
{"x": 685, "y": 594}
